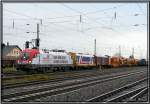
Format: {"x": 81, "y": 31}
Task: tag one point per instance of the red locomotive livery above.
{"x": 27, "y": 55}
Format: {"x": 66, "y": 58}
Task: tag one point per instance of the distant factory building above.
{"x": 10, "y": 53}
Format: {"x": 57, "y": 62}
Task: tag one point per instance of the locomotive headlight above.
{"x": 29, "y": 62}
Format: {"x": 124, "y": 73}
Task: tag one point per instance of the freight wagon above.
{"x": 102, "y": 61}
{"x": 142, "y": 62}
{"x": 114, "y": 61}
{"x": 81, "y": 60}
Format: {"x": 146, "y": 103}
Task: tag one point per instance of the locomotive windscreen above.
{"x": 25, "y": 56}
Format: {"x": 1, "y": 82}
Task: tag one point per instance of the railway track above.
{"x": 57, "y": 89}
{"x": 9, "y": 76}
{"x": 59, "y": 76}
{"x": 126, "y": 93}
{"x": 139, "y": 95}
{"x": 19, "y": 75}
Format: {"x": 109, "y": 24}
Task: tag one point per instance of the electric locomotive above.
{"x": 43, "y": 60}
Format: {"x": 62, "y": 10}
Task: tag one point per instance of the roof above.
{"x": 30, "y": 50}
{"x": 6, "y": 49}
{"x": 84, "y": 55}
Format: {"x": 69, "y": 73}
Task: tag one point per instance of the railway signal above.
{"x": 27, "y": 44}
{"x": 37, "y": 40}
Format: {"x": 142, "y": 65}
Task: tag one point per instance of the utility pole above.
{"x": 38, "y": 40}
{"x": 95, "y": 47}
{"x": 41, "y": 21}
{"x": 13, "y": 24}
{"x": 80, "y": 18}
{"x": 132, "y": 52}
{"x": 37, "y": 31}
{"x": 119, "y": 51}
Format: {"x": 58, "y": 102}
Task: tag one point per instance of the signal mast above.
{"x": 37, "y": 40}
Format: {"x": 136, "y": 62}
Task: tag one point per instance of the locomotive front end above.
{"x": 24, "y": 61}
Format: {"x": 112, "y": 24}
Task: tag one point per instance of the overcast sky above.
{"x": 74, "y": 26}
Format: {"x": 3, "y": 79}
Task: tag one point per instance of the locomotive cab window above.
{"x": 25, "y": 56}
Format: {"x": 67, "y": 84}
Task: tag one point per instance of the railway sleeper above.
{"x": 102, "y": 97}
{"x": 125, "y": 95}
{"x": 138, "y": 95}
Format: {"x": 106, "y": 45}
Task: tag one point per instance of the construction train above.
{"x": 44, "y": 60}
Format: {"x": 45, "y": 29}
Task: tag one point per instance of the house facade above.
{"x": 10, "y": 54}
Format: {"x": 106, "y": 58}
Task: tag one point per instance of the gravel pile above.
{"x": 91, "y": 91}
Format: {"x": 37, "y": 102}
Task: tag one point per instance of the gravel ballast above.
{"x": 100, "y": 74}
{"x": 91, "y": 91}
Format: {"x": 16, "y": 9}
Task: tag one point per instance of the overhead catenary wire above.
{"x": 87, "y": 13}
{"x": 20, "y": 14}
{"x": 70, "y": 8}
{"x": 34, "y": 18}
{"x": 88, "y": 17}
{"x": 18, "y": 28}
{"x": 101, "y": 18}
{"x": 76, "y": 11}
{"x": 115, "y": 17}
{"x": 56, "y": 25}
{"x": 87, "y": 34}
{"x": 83, "y": 20}
{"x": 141, "y": 9}
{"x": 79, "y": 12}
{"x": 66, "y": 21}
